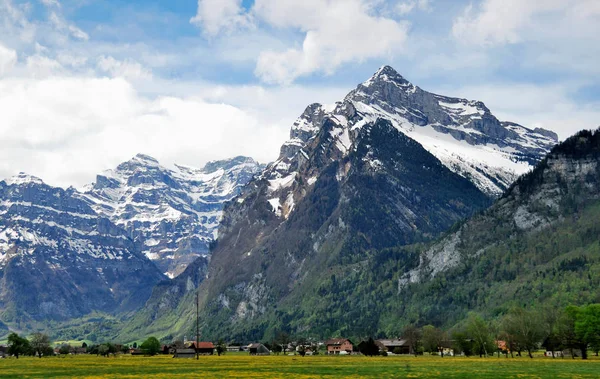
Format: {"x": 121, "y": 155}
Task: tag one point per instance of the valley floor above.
{"x": 243, "y": 366}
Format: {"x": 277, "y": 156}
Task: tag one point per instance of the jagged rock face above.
{"x": 462, "y": 134}
{"x": 60, "y": 260}
{"x": 171, "y": 214}
{"x": 565, "y": 181}
{"x": 388, "y": 190}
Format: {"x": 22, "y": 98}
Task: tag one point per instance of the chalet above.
{"x": 502, "y": 346}
{"x": 185, "y": 353}
{"x": 203, "y": 348}
{"x": 395, "y": 346}
{"x": 258, "y": 349}
{"x": 448, "y": 351}
{"x": 339, "y": 346}
{"x": 233, "y": 349}
{"x": 134, "y": 351}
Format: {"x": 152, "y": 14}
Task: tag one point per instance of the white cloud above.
{"x": 63, "y": 123}
{"x": 8, "y": 58}
{"x": 67, "y": 129}
{"x": 68, "y": 59}
{"x": 335, "y": 32}
{"x": 554, "y": 36}
{"x": 127, "y": 68}
{"x": 14, "y": 25}
{"x": 215, "y": 16}
{"x": 41, "y": 66}
{"x": 51, "y": 3}
{"x": 61, "y": 25}
{"x": 496, "y": 22}
{"x": 406, "y": 7}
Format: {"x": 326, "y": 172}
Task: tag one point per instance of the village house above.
{"x": 339, "y": 346}
{"x": 395, "y": 346}
{"x": 233, "y": 348}
{"x": 185, "y": 353}
{"x": 304, "y": 349}
{"x": 258, "y": 349}
{"x": 203, "y": 348}
{"x": 448, "y": 351}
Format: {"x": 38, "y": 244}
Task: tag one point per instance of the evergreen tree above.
{"x": 151, "y": 346}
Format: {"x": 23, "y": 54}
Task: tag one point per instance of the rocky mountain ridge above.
{"x": 60, "y": 260}
{"x": 171, "y": 214}
{"x": 463, "y": 134}
{"x": 65, "y": 254}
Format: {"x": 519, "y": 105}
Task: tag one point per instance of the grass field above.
{"x": 238, "y": 366}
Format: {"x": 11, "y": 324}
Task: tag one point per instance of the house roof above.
{"x": 336, "y": 341}
{"x": 392, "y": 342}
{"x": 203, "y": 345}
{"x": 185, "y": 351}
{"x": 255, "y": 345}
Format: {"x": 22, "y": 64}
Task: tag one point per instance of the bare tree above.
{"x": 413, "y": 336}
{"x": 479, "y": 331}
{"x": 526, "y": 327}
{"x": 40, "y": 344}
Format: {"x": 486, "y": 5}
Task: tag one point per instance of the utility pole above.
{"x": 197, "y": 326}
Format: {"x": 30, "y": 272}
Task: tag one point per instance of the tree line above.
{"x": 520, "y": 331}
{"x": 40, "y": 345}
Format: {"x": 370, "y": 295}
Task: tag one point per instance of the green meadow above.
{"x": 243, "y": 366}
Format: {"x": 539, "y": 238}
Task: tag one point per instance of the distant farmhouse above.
{"x": 395, "y": 346}
{"x": 203, "y": 348}
{"x": 258, "y": 349}
{"x": 339, "y": 346}
{"x": 185, "y": 353}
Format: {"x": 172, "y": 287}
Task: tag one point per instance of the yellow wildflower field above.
{"x": 244, "y": 366}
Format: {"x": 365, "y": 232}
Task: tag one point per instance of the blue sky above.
{"x": 85, "y": 84}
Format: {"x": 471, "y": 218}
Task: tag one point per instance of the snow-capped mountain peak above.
{"x": 172, "y": 214}
{"x": 463, "y": 134}
{"x": 23, "y": 178}
{"x": 60, "y": 259}
{"x": 388, "y": 75}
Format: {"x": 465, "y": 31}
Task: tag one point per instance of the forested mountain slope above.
{"x": 539, "y": 243}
